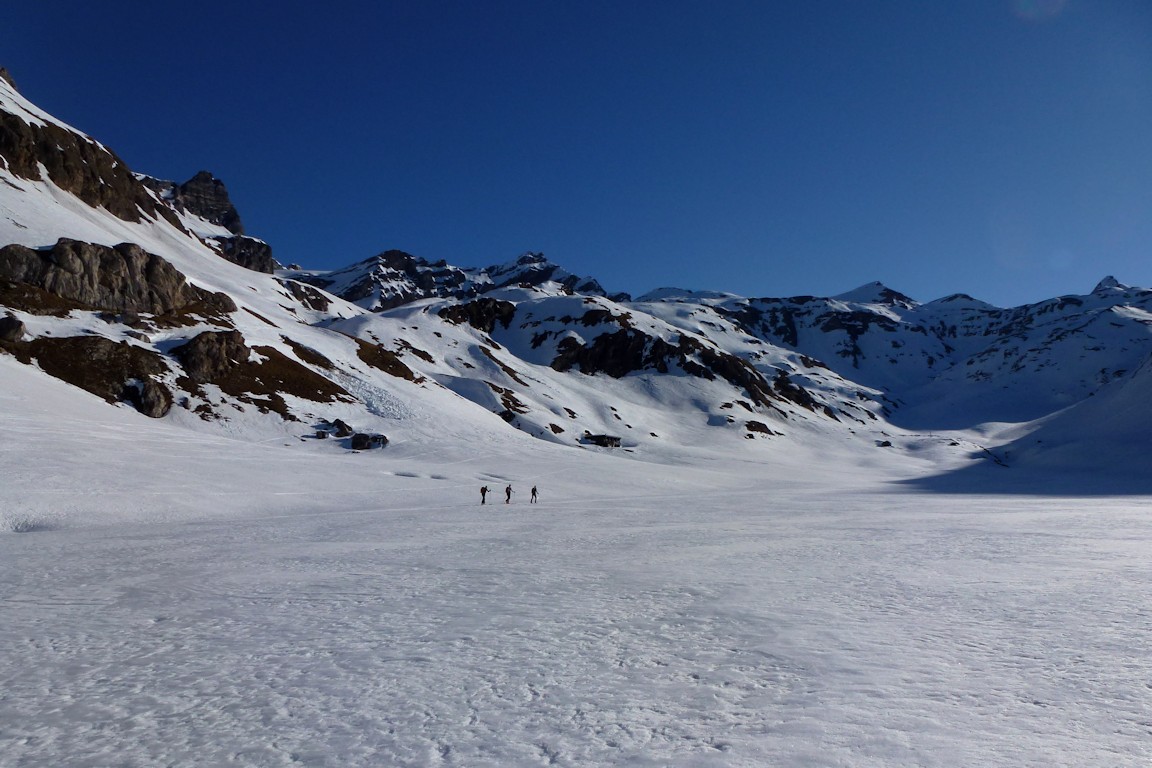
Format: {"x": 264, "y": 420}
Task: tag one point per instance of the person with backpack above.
{"x": 508, "y": 494}
{"x": 533, "y": 494}
{"x": 483, "y": 494}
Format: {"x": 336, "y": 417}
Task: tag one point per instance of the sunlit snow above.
{"x": 856, "y": 592}
{"x": 176, "y": 599}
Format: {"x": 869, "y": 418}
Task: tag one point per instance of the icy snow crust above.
{"x": 178, "y": 599}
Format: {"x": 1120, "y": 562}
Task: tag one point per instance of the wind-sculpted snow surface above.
{"x": 173, "y": 598}
{"x": 722, "y": 621}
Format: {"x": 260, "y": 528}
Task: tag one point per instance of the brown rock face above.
{"x": 76, "y": 164}
{"x": 248, "y": 252}
{"x": 222, "y": 358}
{"x": 307, "y": 295}
{"x": 11, "y": 329}
{"x": 115, "y": 371}
{"x": 212, "y": 354}
{"x": 124, "y": 278}
{"x": 205, "y": 196}
{"x": 482, "y": 314}
{"x": 385, "y": 360}
{"x": 629, "y": 350}
{"x": 149, "y": 397}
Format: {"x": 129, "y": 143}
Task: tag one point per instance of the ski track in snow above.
{"x": 802, "y": 629}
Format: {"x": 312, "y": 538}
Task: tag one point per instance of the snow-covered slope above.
{"x": 431, "y": 353}
{"x": 394, "y": 278}
{"x": 957, "y": 362}
{"x": 1108, "y": 432}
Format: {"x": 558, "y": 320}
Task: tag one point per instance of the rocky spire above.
{"x": 205, "y": 196}
{"x": 1108, "y": 284}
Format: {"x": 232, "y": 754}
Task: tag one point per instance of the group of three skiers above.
{"x": 507, "y": 494}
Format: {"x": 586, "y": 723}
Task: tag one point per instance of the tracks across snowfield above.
{"x": 806, "y": 628}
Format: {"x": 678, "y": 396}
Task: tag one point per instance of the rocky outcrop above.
{"x": 115, "y": 371}
{"x": 532, "y": 270}
{"x": 206, "y": 197}
{"x": 76, "y": 164}
{"x": 629, "y": 350}
{"x": 203, "y": 195}
{"x": 362, "y": 441}
{"x": 394, "y": 278}
{"x": 149, "y": 397}
{"x": 212, "y": 354}
{"x": 223, "y": 358}
{"x": 123, "y": 278}
{"x": 771, "y": 319}
{"x": 307, "y": 295}
{"x": 11, "y": 329}
{"x": 616, "y": 354}
{"x": 482, "y": 314}
{"x": 424, "y": 278}
{"x": 385, "y": 360}
{"x": 248, "y": 252}
{"x": 792, "y": 391}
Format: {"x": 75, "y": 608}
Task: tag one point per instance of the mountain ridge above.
{"x": 395, "y": 343}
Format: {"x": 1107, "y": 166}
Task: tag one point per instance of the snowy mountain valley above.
{"x": 240, "y": 519}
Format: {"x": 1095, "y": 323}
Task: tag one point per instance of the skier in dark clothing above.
{"x": 533, "y": 494}
{"x": 483, "y": 494}
{"x": 508, "y": 495}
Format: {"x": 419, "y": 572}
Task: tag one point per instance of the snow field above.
{"x": 774, "y": 624}
{"x": 178, "y": 598}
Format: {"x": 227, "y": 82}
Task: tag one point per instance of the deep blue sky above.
{"x": 1001, "y": 148}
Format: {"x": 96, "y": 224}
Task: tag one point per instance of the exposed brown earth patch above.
{"x": 385, "y": 360}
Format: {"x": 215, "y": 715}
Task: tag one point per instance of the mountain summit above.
{"x": 394, "y": 278}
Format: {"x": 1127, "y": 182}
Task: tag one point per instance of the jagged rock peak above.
{"x": 529, "y": 264}
{"x": 203, "y": 195}
{"x": 877, "y": 293}
{"x": 1109, "y": 284}
{"x": 397, "y": 259}
{"x": 6, "y": 76}
{"x": 535, "y": 269}
{"x": 206, "y": 196}
{"x": 962, "y": 300}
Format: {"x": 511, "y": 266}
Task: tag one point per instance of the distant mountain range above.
{"x": 149, "y": 294}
